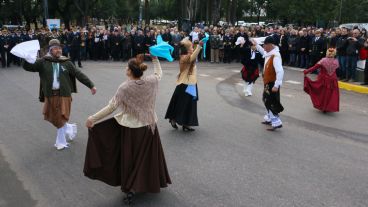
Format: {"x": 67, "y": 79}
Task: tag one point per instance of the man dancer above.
{"x": 57, "y": 76}
{"x": 272, "y": 79}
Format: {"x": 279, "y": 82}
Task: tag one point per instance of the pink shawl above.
{"x": 138, "y": 98}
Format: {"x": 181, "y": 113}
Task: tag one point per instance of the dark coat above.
{"x": 67, "y": 75}
{"x": 318, "y": 47}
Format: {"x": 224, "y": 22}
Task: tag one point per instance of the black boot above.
{"x": 128, "y": 200}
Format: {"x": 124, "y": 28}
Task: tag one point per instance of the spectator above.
{"x": 364, "y": 56}
{"x": 215, "y": 46}
{"x": 353, "y": 46}
{"x": 292, "y": 47}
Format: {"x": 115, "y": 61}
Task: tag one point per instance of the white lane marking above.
{"x": 295, "y": 69}
{"x": 288, "y": 95}
{"x": 293, "y": 82}
{"x": 220, "y": 79}
{"x": 204, "y": 75}
{"x": 236, "y": 71}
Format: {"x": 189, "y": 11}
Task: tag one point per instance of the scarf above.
{"x": 330, "y": 64}
{"x": 274, "y": 51}
{"x": 51, "y": 58}
{"x": 137, "y": 98}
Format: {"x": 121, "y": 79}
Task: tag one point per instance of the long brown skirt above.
{"x": 56, "y": 110}
{"x": 132, "y": 158}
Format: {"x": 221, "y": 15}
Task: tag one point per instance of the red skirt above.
{"x": 324, "y": 93}
{"x": 132, "y": 158}
{"x": 249, "y": 75}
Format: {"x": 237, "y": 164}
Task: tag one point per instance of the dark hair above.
{"x": 137, "y": 66}
{"x": 183, "y": 49}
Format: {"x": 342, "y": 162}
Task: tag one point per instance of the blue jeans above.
{"x": 342, "y": 66}
{"x": 351, "y": 64}
{"x": 303, "y": 60}
{"x": 292, "y": 59}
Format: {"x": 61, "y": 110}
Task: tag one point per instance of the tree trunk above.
{"x": 208, "y": 11}
{"x": 146, "y": 12}
{"x": 215, "y": 11}
{"x": 233, "y": 11}
{"x": 228, "y": 10}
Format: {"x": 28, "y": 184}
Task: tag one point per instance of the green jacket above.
{"x": 68, "y": 73}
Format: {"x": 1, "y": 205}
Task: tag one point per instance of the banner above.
{"x": 53, "y": 23}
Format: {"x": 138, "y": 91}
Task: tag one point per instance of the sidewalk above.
{"x": 351, "y": 86}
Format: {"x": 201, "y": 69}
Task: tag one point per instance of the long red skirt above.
{"x": 132, "y": 158}
{"x": 324, "y": 93}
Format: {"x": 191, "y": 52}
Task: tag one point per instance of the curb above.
{"x": 353, "y": 87}
{"x": 342, "y": 85}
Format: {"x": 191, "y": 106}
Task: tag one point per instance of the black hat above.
{"x": 269, "y": 40}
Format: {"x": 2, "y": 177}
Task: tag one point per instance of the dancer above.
{"x": 324, "y": 92}
{"x": 272, "y": 79}
{"x": 182, "y": 109}
{"x": 57, "y": 76}
{"x": 251, "y": 59}
{"x": 126, "y": 150}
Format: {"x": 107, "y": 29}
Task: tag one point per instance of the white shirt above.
{"x": 253, "y": 54}
{"x": 277, "y": 63}
{"x": 194, "y": 36}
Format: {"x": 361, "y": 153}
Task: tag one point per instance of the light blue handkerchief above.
{"x": 159, "y": 39}
{"x": 204, "y": 40}
{"x": 192, "y": 90}
{"x": 163, "y": 50}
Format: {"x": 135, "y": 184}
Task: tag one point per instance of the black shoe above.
{"x": 128, "y": 200}
{"x": 173, "y": 124}
{"x": 364, "y": 84}
{"x": 266, "y": 122}
{"x": 188, "y": 129}
{"x": 274, "y": 128}
{"x": 80, "y": 66}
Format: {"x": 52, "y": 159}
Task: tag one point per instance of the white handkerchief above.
{"x": 240, "y": 41}
{"x": 260, "y": 40}
{"x": 27, "y": 50}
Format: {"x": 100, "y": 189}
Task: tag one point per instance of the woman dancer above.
{"x": 126, "y": 150}
{"x": 182, "y": 109}
{"x": 324, "y": 92}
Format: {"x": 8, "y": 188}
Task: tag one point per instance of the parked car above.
{"x": 348, "y": 25}
{"x": 13, "y": 27}
{"x": 239, "y": 23}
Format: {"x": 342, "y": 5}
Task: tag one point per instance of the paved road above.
{"x": 230, "y": 160}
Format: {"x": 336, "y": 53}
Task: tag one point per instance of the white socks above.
{"x": 248, "y": 89}
{"x": 69, "y": 130}
{"x": 275, "y": 120}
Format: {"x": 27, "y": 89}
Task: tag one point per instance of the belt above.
{"x": 55, "y": 92}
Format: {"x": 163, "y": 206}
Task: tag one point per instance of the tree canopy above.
{"x": 210, "y": 11}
